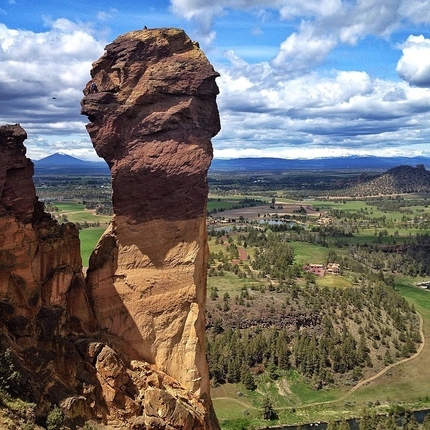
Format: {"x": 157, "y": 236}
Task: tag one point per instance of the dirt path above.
{"x": 355, "y": 387}
{"x": 233, "y": 399}
{"x": 242, "y": 254}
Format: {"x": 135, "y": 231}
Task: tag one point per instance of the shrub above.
{"x": 9, "y": 376}
{"x": 55, "y": 419}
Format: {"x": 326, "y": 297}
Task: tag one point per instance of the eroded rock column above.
{"x": 152, "y": 116}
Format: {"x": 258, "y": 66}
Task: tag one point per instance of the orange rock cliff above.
{"x": 124, "y": 346}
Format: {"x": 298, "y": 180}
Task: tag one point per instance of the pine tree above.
{"x": 268, "y": 411}
{"x": 246, "y": 378}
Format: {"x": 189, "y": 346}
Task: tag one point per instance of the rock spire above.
{"x": 153, "y": 112}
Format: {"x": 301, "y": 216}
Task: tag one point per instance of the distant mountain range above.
{"x": 68, "y": 165}
{"x": 333, "y": 163}
{"x": 61, "y": 164}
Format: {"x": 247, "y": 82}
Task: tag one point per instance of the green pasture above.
{"x": 231, "y": 284}
{"x": 222, "y": 204}
{"x": 371, "y": 211}
{"x": 217, "y": 247}
{"x": 305, "y": 253}
{"x": 89, "y": 238}
{"x": 237, "y": 197}
{"x": 77, "y": 213}
{"x": 334, "y": 281}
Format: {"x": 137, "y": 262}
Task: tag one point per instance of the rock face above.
{"x": 43, "y": 299}
{"x": 152, "y": 119}
{"x": 40, "y": 262}
{"x": 125, "y": 346}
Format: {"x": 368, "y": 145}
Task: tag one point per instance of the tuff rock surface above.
{"x": 125, "y": 346}
{"x": 152, "y": 119}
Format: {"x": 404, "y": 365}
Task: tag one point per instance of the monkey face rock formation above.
{"x": 151, "y": 118}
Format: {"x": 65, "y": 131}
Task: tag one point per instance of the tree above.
{"x": 268, "y": 412}
{"x": 426, "y": 422}
{"x": 246, "y": 378}
{"x": 409, "y": 422}
{"x": 55, "y": 419}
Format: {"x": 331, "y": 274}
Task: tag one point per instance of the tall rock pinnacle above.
{"x": 152, "y": 115}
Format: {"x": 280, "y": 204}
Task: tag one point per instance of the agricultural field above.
{"x": 326, "y": 232}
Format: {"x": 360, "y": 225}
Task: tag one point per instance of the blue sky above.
{"x": 299, "y": 79}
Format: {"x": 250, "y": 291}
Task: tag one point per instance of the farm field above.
{"x": 292, "y": 397}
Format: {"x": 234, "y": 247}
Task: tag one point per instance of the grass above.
{"x": 309, "y": 253}
{"x": 77, "y": 213}
{"x": 222, "y": 204}
{"x": 334, "y": 281}
{"x": 89, "y": 238}
{"x": 230, "y": 283}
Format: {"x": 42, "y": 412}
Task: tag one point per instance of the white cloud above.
{"x": 323, "y": 26}
{"x": 41, "y": 80}
{"x": 299, "y": 8}
{"x": 42, "y": 76}
{"x": 267, "y": 114}
{"x": 286, "y": 106}
{"x": 366, "y": 17}
{"x": 302, "y": 50}
{"x": 417, "y": 11}
{"x": 414, "y": 66}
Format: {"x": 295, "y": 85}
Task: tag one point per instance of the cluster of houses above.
{"x": 323, "y": 269}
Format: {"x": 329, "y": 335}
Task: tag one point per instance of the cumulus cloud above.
{"x": 345, "y": 111}
{"x": 414, "y": 66}
{"x": 205, "y": 12}
{"x": 291, "y": 101}
{"x": 320, "y": 26}
{"x": 42, "y": 76}
{"x": 302, "y": 50}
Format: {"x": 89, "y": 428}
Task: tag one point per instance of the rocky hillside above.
{"x": 123, "y": 347}
{"x": 398, "y": 180}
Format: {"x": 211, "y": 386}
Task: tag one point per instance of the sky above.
{"x": 298, "y": 78}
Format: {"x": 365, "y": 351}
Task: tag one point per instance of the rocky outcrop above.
{"x": 125, "y": 346}
{"x": 151, "y": 118}
{"x": 40, "y": 262}
{"x": 43, "y": 299}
